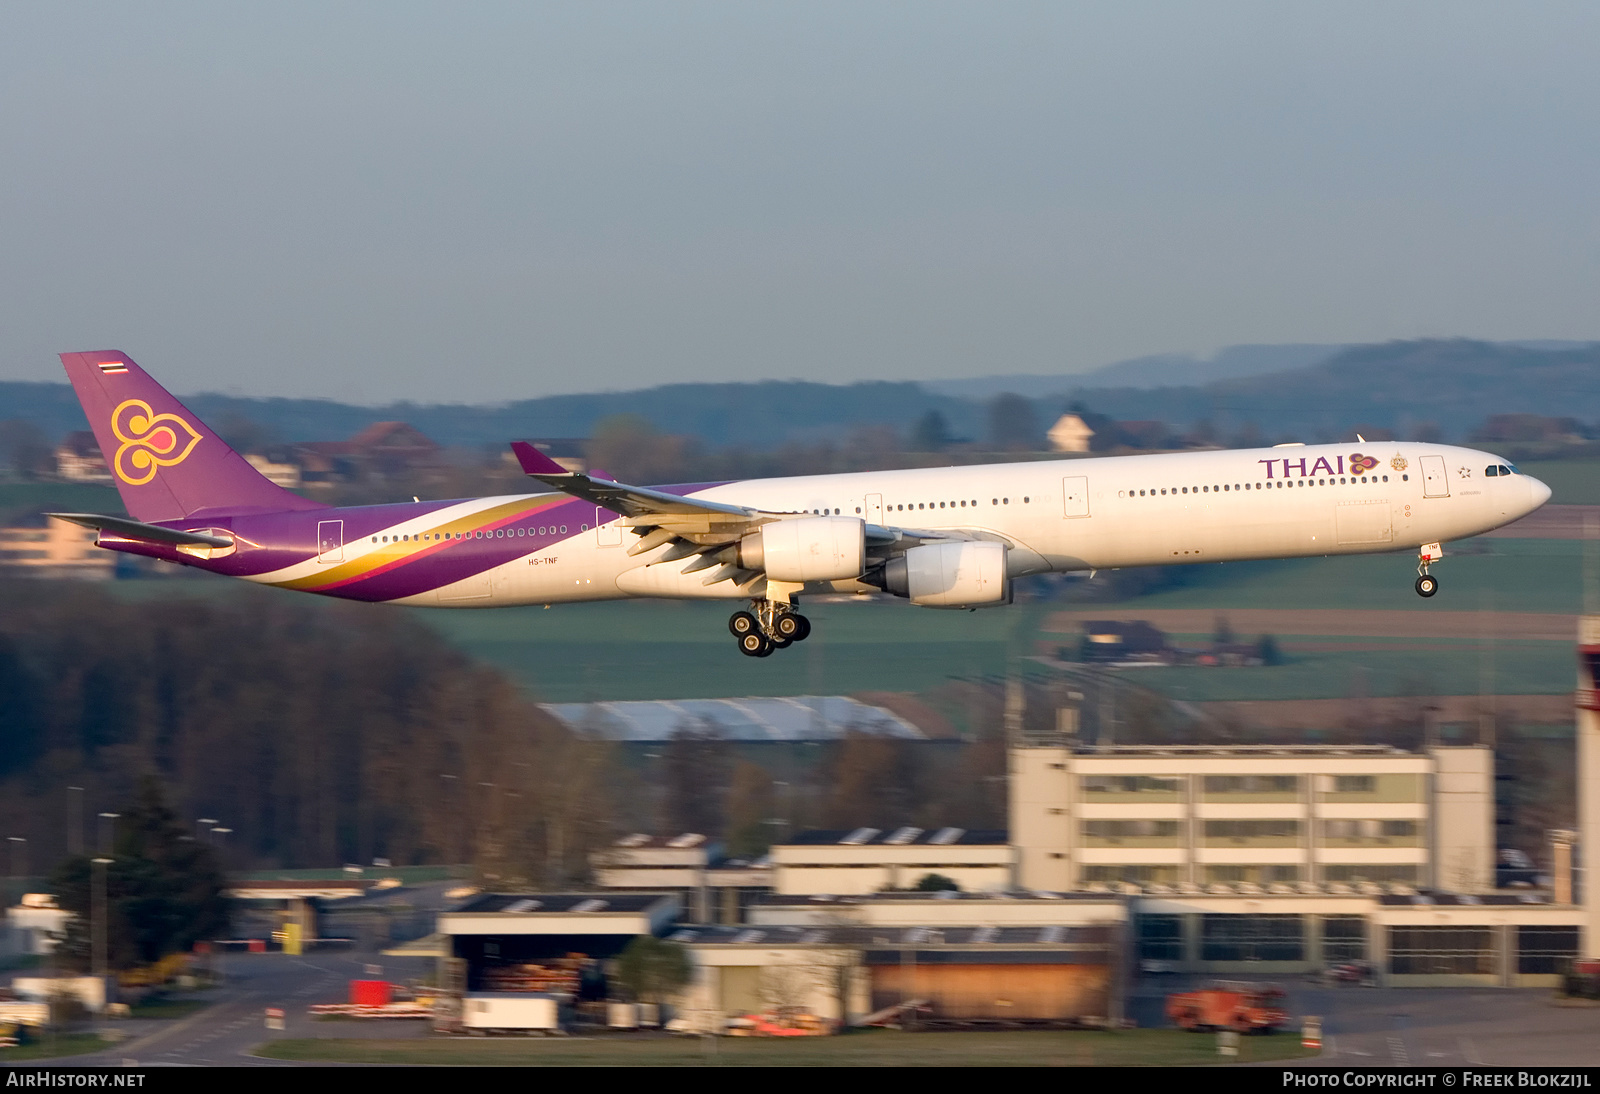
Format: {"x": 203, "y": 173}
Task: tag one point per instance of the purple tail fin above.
{"x": 167, "y": 465}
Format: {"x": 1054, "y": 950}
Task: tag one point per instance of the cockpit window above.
{"x": 1491, "y": 471}
{"x": 1509, "y": 469}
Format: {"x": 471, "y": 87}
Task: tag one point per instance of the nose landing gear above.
{"x": 1427, "y": 554}
{"x": 768, "y": 626}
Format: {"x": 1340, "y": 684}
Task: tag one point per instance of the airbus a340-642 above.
{"x": 946, "y": 537}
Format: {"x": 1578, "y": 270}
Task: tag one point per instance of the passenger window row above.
{"x": 1350, "y": 480}
{"x": 910, "y": 506}
{"x": 497, "y": 533}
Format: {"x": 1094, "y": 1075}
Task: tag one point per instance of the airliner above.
{"x": 943, "y": 537}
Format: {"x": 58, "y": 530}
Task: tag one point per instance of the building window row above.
{"x": 1252, "y": 784}
{"x": 1369, "y": 829}
{"x": 1131, "y": 784}
{"x": 1413, "y": 951}
{"x": 1391, "y": 786}
{"x": 1132, "y": 829}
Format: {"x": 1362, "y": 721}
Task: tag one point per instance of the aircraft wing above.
{"x": 694, "y": 527}
{"x": 630, "y": 501}
{"x": 133, "y": 529}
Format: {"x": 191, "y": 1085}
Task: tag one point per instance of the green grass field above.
{"x": 1523, "y": 668}
{"x": 875, "y": 1048}
{"x": 50, "y": 1046}
{"x": 1508, "y": 575}
{"x": 666, "y": 650}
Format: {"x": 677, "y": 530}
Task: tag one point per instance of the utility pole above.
{"x": 98, "y": 915}
{"x": 1016, "y": 709}
{"x": 19, "y": 863}
{"x": 74, "y": 821}
{"x": 107, "y": 830}
{"x": 222, "y": 844}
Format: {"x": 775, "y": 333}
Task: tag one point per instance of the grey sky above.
{"x": 493, "y": 201}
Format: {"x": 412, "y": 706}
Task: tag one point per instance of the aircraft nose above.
{"x": 1538, "y": 493}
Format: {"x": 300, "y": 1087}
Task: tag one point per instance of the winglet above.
{"x": 535, "y": 462}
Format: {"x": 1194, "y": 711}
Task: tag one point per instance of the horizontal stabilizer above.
{"x": 133, "y": 529}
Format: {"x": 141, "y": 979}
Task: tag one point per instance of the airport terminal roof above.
{"x": 869, "y": 936}
{"x": 558, "y": 903}
{"x": 1465, "y": 900}
{"x": 896, "y": 837}
{"x": 798, "y": 718}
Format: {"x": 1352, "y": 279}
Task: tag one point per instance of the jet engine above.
{"x": 807, "y": 549}
{"x": 950, "y": 575}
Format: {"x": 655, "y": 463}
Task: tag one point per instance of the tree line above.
{"x": 322, "y": 733}
{"x": 319, "y": 733}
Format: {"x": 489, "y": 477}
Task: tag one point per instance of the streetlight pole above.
{"x": 449, "y": 781}
{"x": 107, "y": 827}
{"x": 74, "y": 821}
{"x": 97, "y": 924}
{"x": 19, "y": 863}
{"x": 221, "y": 842}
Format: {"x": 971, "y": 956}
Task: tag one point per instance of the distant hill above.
{"x": 1161, "y": 370}
{"x": 757, "y": 415}
{"x": 1397, "y": 386}
{"x": 1307, "y": 393}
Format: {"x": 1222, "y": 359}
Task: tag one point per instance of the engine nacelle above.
{"x": 807, "y": 549}
{"x": 950, "y": 575}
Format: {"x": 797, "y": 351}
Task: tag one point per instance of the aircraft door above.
{"x": 607, "y": 534}
{"x": 330, "y": 541}
{"x": 1435, "y": 483}
{"x": 1075, "y": 492}
{"x": 873, "y": 510}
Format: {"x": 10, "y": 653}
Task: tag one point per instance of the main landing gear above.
{"x": 767, "y": 627}
{"x": 1427, "y": 554}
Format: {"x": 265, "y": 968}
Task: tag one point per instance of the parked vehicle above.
{"x": 1230, "y": 1005}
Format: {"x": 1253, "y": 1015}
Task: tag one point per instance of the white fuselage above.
{"x": 1085, "y": 514}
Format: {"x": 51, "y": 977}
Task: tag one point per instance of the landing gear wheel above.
{"x": 782, "y": 643}
{"x": 1427, "y": 585}
{"x": 791, "y": 628}
{"x": 741, "y": 624}
{"x": 754, "y": 644}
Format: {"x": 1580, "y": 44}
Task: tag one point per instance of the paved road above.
{"x": 226, "y": 1031}
{"x": 1429, "y": 1027}
{"x": 1362, "y": 1027}
{"x": 1450, "y": 1028}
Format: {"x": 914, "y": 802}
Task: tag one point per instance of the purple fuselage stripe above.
{"x": 268, "y": 542}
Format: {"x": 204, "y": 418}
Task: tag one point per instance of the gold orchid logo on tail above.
{"x": 149, "y": 440}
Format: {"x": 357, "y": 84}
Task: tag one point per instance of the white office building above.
{"x": 1241, "y": 818}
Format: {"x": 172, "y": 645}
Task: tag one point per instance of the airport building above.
{"x": 871, "y": 860}
{"x": 1125, "y": 863}
{"x": 1252, "y": 818}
